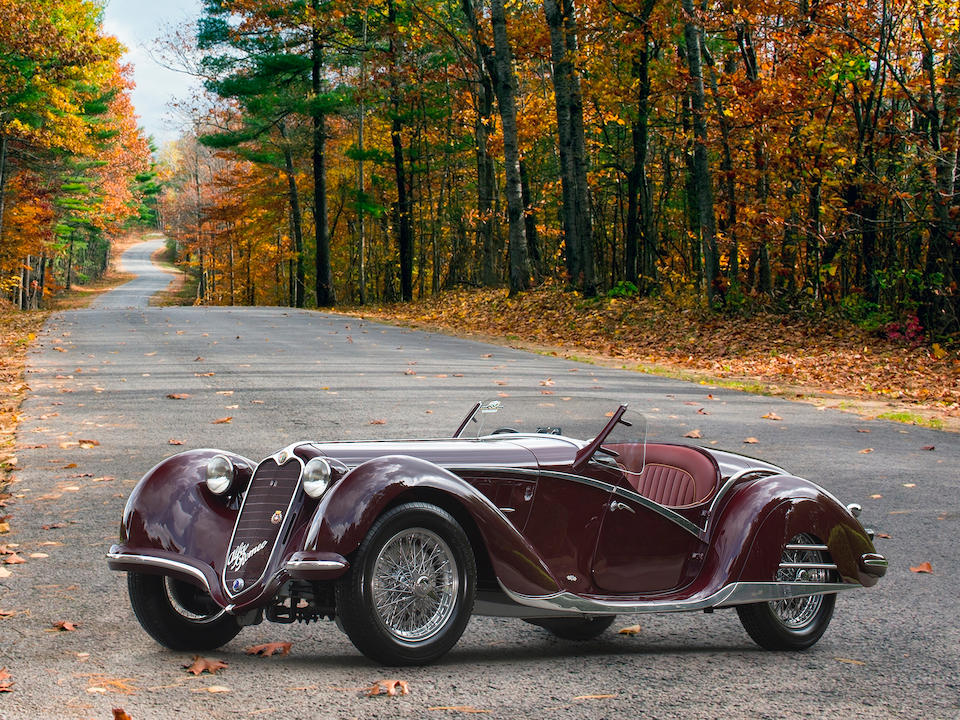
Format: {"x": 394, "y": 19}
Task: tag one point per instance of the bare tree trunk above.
{"x": 701, "y": 166}
{"x": 3, "y": 179}
{"x": 506, "y": 89}
{"x": 296, "y": 222}
{"x": 486, "y": 175}
{"x": 403, "y": 214}
{"x": 326, "y": 296}
{"x": 578, "y": 230}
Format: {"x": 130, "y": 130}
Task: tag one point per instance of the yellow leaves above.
{"x": 630, "y": 630}
{"x": 387, "y": 687}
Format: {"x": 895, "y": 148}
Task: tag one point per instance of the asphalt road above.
{"x": 103, "y": 375}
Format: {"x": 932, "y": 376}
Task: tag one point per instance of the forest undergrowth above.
{"x": 826, "y": 360}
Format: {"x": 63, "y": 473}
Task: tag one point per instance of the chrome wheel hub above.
{"x": 414, "y": 585}
{"x": 797, "y": 613}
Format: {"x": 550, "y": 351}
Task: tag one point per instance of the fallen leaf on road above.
{"x": 593, "y": 697}
{"x": 38, "y": 556}
{"x": 750, "y": 441}
{"x": 548, "y": 382}
{"x": 387, "y": 687}
{"x": 66, "y": 626}
{"x": 174, "y": 442}
{"x": 5, "y": 684}
{"x": 214, "y": 689}
{"x": 223, "y": 420}
{"x": 88, "y": 444}
{"x": 14, "y": 559}
{"x": 268, "y": 649}
{"x": 630, "y": 630}
{"x": 876, "y": 496}
{"x": 7, "y": 613}
{"x": 771, "y": 416}
{"x": 225, "y": 392}
{"x": 701, "y": 411}
{"x": 693, "y": 434}
{"x": 884, "y": 536}
{"x": 378, "y": 421}
{"x": 849, "y": 661}
{"x": 863, "y": 430}
{"x": 121, "y": 714}
{"x": 201, "y": 665}
{"x": 178, "y": 396}
{"x": 459, "y": 708}
{"x": 866, "y": 451}
{"x": 929, "y": 447}
{"x": 4, "y": 573}
{"x": 923, "y": 567}
{"x": 909, "y": 485}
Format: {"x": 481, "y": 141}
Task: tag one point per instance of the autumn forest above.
{"x": 792, "y": 155}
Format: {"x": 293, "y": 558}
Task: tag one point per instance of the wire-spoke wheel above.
{"x": 409, "y": 594}
{"x": 793, "y": 623}
{"x": 179, "y": 615}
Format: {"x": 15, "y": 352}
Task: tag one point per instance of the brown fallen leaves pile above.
{"x": 17, "y": 330}
{"x": 822, "y": 356}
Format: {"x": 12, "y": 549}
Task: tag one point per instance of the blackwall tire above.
{"x": 578, "y": 629}
{"x": 409, "y": 593}
{"x": 179, "y": 615}
{"x": 798, "y": 623}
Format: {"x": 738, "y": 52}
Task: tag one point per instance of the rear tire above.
{"x": 796, "y": 623}
{"x": 577, "y": 629}
{"x": 178, "y": 615}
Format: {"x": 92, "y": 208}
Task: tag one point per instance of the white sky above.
{"x": 137, "y": 24}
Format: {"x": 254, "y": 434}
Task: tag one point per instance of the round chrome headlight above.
{"x": 219, "y": 474}
{"x": 316, "y": 477}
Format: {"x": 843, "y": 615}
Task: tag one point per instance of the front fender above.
{"x": 172, "y": 516}
{"x": 350, "y": 508}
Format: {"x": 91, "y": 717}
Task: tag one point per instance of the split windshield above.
{"x": 577, "y": 418}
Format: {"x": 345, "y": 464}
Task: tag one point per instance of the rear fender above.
{"x": 350, "y": 508}
{"x": 762, "y": 516}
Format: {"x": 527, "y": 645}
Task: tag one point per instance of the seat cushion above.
{"x": 673, "y": 475}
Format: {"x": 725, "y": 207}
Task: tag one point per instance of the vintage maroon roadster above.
{"x": 400, "y": 542}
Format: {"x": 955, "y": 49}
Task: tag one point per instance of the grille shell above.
{"x": 273, "y": 488}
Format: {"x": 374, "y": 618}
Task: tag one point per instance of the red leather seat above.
{"x": 673, "y": 475}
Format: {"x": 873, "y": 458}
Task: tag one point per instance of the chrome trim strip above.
{"x": 807, "y": 566}
{"x": 315, "y": 565}
{"x": 877, "y": 562}
{"x": 162, "y": 563}
{"x": 280, "y": 533}
{"x": 818, "y": 548}
{"x": 750, "y": 592}
{"x": 666, "y": 512}
{"x": 739, "y": 593}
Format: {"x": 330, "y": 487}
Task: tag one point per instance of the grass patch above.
{"x": 909, "y": 418}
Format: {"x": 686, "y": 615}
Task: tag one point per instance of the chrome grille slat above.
{"x": 272, "y": 488}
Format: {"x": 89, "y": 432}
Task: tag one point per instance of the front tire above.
{"x": 577, "y": 629}
{"x": 795, "y": 623}
{"x": 409, "y": 593}
{"x": 178, "y": 615}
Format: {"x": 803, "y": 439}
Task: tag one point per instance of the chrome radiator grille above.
{"x": 262, "y": 517}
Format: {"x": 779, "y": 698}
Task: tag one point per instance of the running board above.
{"x": 740, "y": 593}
